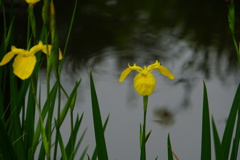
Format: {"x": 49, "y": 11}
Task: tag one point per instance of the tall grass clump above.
{"x": 31, "y": 129}
{"x": 227, "y": 147}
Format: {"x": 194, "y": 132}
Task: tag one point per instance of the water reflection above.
{"x": 147, "y": 29}
{"x": 194, "y": 41}
{"x": 164, "y": 116}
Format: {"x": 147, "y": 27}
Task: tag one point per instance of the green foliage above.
{"x": 21, "y": 132}
{"x": 227, "y": 148}
{"x": 206, "y": 134}
{"x": 231, "y": 22}
{"x": 97, "y": 121}
{"x": 170, "y": 153}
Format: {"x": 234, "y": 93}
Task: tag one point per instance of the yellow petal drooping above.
{"x": 144, "y": 84}
{"x": 36, "y": 48}
{"x": 10, "y": 55}
{"x": 7, "y": 58}
{"x": 32, "y": 1}
{"x": 165, "y": 72}
{"x": 48, "y": 48}
{"x": 128, "y": 70}
{"x": 124, "y": 74}
{"x": 23, "y": 66}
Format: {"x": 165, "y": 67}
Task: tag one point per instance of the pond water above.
{"x": 175, "y": 107}
{"x": 191, "y": 38}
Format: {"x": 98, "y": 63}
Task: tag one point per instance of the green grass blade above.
{"x": 71, "y": 142}
{"x": 6, "y": 147}
{"x": 63, "y": 151}
{"x": 36, "y": 136}
{"x": 45, "y": 12}
{"x": 69, "y": 104}
{"x": 231, "y": 22}
{"x": 170, "y": 154}
{"x": 79, "y": 142}
{"x": 97, "y": 120}
{"x": 30, "y": 120}
{"x": 15, "y": 119}
{"x": 83, "y": 154}
{"x": 42, "y": 153}
{"x": 31, "y": 18}
{"x": 217, "y": 142}
{"x": 235, "y": 145}
{"x": 9, "y": 35}
{"x": 206, "y": 134}
{"x": 228, "y": 132}
{"x": 70, "y": 28}
{"x": 147, "y": 136}
{"x": 94, "y": 156}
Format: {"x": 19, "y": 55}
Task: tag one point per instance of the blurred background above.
{"x": 190, "y": 37}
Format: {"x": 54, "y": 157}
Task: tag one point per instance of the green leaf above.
{"x": 69, "y": 104}
{"x": 30, "y": 120}
{"x": 71, "y": 142}
{"x": 5, "y": 144}
{"x": 78, "y": 144}
{"x": 51, "y": 97}
{"x": 97, "y": 120}
{"x": 45, "y": 11}
{"x": 147, "y": 136}
{"x": 63, "y": 151}
{"x": 231, "y": 22}
{"x": 84, "y": 153}
{"x": 70, "y": 29}
{"x": 170, "y": 153}
{"x": 32, "y": 20}
{"x": 217, "y": 142}
{"x": 94, "y": 156}
{"x": 206, "y": 135}
{"x": 10, "y": 34}
{"x": 231, "y": 17}
{"x": 54, "y": 56}
{"x": 228, "y": 132}
{"x": 235, "y": 145}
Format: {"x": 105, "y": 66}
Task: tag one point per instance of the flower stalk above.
{"x": 143, "y": 136}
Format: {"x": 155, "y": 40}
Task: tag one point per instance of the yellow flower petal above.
{"x": 153, "y": 66}
{"x": 60, "y": 55}
{"x": 124, "y": 74}
{"x": 49, "y": 47}
{"x": 36, "y": 48}
{"x": 165, "y": 72}
{"x": 45, "y": 47}
{"x": 10, "y": 55}
{"x": 136, "y": 68}
{"x": 144, "y": 84}
{"x": 32, "y": 1}
{"x": 128, "y": 70}
{"x": 7, "y": 58}
{"x": 23, "y": 66}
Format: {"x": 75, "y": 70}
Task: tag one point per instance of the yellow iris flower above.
{"x": 25, "y": 60}
{"x": 32, "y": 1}
{"x": 144, "y": 81}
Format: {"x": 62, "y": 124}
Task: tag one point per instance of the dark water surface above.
{"x": 191, "y": 38}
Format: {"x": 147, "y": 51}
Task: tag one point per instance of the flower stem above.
{"x": 143, "y": 136}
